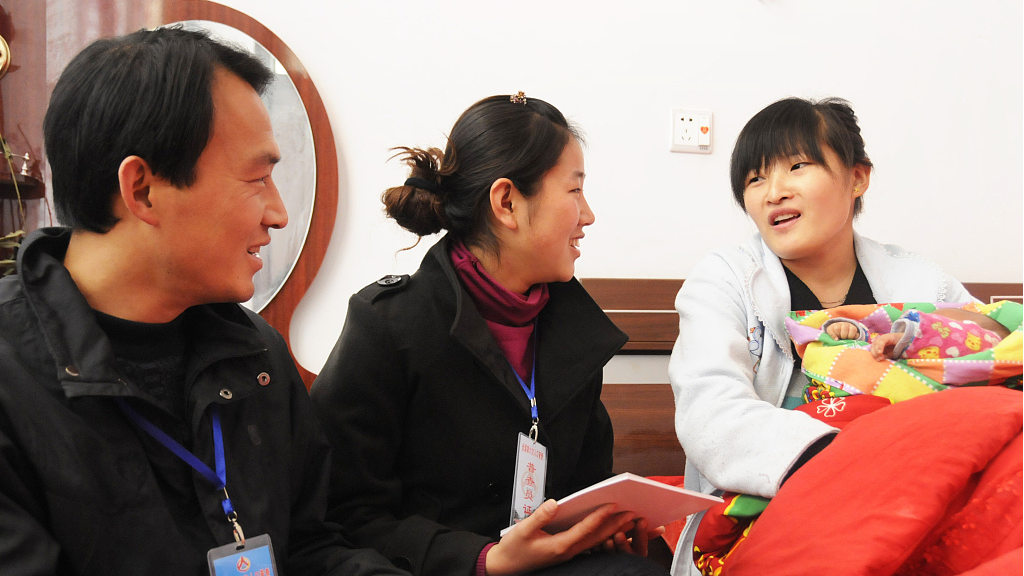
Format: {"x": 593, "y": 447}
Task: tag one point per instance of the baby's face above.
{"x": 951, "y": 333}
{"x": 976, "y": 318}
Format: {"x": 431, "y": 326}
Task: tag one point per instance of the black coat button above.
{"x": 389, "y": 280}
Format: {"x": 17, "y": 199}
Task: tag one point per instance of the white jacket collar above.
{"x": 896, "y": 275}
{"x": 768, "y": 291}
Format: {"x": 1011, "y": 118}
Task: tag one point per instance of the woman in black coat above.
{"x": 425, "y": 397}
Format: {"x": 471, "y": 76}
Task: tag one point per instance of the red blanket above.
{"x": 927, "y": 486}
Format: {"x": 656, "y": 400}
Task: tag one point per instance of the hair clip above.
{"x": 518, "y": 98}
{"x": 422, "y": 184}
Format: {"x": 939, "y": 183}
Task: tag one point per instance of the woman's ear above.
{"x": 135, "y": 180}
{"x": 505, "y": 202}
{"x": 861, "y": 179}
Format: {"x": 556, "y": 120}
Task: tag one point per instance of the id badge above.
{"x": 254, "y": 558}
{"x": 528, "y": 484}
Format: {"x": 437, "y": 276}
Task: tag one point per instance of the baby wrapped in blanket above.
{"x": 945, "y": 333}
{"x": 899, "y": 351}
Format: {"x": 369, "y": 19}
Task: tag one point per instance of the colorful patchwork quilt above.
{"x": 847, "y": 383}
{"x": 846, "y": 366}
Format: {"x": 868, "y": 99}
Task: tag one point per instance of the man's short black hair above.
{"x": 147, "y": 94}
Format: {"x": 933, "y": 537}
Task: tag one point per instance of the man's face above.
{"x": 212, "y": 231}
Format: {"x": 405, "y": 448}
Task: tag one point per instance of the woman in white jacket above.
{"x": 799, "y": 170}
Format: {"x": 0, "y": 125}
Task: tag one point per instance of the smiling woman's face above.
{"x": 558, "y": 213}
{"x": 802, "y": 208}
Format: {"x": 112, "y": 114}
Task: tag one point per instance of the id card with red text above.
{"x": 528, "y": 484}
{"x": 254, "y": 558}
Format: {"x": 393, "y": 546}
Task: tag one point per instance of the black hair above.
{"x": 794, "y": 126}
{"x": 495, "y": 138}
{"x": 147, "y": 94}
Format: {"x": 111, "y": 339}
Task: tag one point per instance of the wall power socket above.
{"x": 691, "y": 131}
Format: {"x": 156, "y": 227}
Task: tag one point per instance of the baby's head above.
{"x": 975, "y": 317}
{"x": 953, "y": 332}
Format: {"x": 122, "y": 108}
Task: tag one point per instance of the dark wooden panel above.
{"x": 993, "y": 291}
{"x": 633, "y": 293}
{"x": 643, "y": 416}
{"x": 647, "y": 326}
{"x": 655, "y": 332}
{"x": 647, "y": 347}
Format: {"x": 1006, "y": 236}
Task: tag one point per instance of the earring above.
{"x": 855, "y": 190}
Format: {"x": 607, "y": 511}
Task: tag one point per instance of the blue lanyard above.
{"x": 531, "y": 392}
{"x": 219, "y": 478}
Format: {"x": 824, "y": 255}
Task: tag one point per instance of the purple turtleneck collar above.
{"x": 509, "y": 315}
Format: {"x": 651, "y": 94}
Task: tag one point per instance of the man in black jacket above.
{"x": 145, "y": 419}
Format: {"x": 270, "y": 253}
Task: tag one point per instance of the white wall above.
{"x": 937, "y": 86}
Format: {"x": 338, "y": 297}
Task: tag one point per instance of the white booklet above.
{"x": 656, "y": 501}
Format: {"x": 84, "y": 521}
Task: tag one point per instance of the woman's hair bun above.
{"x": 418, "y": 204}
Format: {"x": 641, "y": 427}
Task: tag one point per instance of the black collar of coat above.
{"x": 575, "y": 337}
{"x": 84, "y": 359}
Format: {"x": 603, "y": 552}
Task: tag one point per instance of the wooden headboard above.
{"x": 644, "y": 308}
{"x": 643, "y": 414}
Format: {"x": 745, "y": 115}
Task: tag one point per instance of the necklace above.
{"x": 834, "y": 303}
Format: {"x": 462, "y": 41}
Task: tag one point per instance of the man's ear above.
{"x": 505, "y": 202}
{"x": 135, "y": 179}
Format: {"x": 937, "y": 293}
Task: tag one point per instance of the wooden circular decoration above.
{"x": 5, "y": 56}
